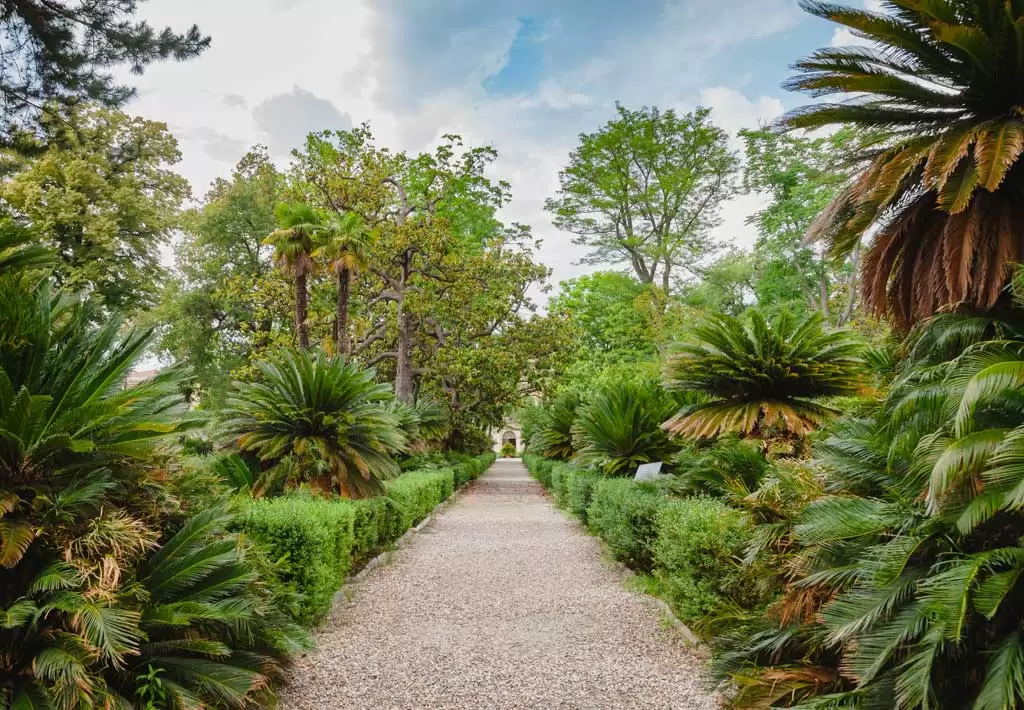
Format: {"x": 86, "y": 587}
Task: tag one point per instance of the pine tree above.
{"x": 64, "y": 50}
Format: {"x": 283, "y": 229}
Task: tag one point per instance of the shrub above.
{"x": 559, "y": 483}
{"x": 313, "y": 540}
{"x": 419, "y": 492}
{"x": 579, "y": 488}
{"x": 620, "y": 427}
{"x": 696, "y": 552}
{"x": 542, "y": 471}
{"x": 326, "y": 416}
{"x": 623, "y": 513}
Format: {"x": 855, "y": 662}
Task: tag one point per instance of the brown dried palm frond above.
{"x": 943, "y": 81}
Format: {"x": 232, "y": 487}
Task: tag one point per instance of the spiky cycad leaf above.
{"x": 760, "y": 378}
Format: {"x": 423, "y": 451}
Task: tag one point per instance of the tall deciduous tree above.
{"x": 646, "y": 189}
{"x": 422, "y": 208}
{"x": 102, "y": 195}
{"x": 800, "y": 176}
{"x": 226, "y": 306}
{"x": 65, "y": 50}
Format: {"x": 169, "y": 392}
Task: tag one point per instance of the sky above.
{"x": 525, "y": 76}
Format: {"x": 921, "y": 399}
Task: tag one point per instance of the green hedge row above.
{"x": 317, "y": 541}
{"x": 692, "y": 546}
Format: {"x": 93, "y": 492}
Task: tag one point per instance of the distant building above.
{"x": 508, "y": 433}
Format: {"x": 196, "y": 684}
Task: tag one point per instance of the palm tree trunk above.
{"x": 341, "y": 339}
{"x": 302, "y": 310}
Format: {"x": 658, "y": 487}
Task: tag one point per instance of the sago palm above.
{"x": 553, "y": 435}
{"x": 298, "y": 227}
{"x": 211, "y": 626}
{"x": 910, "y": 575}
{"x": 346, "y": 248}
{"x": 619, "y": 428}
{"x": 761, "y": 378}
{"x": 323, "y": 416}
{"x": 939, "y": 83}
{"x": 78, "y": 506}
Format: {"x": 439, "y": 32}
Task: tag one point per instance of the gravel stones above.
{"x": 501, "y": 602}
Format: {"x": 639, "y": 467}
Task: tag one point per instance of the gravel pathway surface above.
{"x": 501, "y": 602}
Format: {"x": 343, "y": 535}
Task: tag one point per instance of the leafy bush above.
{"x": 624, "y": 513}
{"x": 540, "y": 468}
{"x": 620, "y": 428}
{"x": 697, "y": 547}
{"x": 508, "y": 450}
{"x": 312, "y": 538}
{"x": 560, "y": 483}
{"x": 418, "y": 492}
{"x": 579, "y": 489}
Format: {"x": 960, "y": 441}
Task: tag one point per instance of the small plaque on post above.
{"x": 649, "y": 472}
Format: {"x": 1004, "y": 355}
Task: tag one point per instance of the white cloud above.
{"x": 374, "y": 60}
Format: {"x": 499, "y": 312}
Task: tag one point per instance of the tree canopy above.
{"x": 645, "y": 190}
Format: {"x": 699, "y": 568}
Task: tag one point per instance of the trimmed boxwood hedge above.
{"x": 624, "y": 514}
{"x": 311, "y": 538}
{"x": 317, "y": 541}
{"x": 697, "y": 546}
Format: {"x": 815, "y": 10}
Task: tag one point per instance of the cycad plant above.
{"x": 211, "y": 626}
{"x": 759, "y": 378}
{"x": 553, "y": 433}
{"x": 938, "y": 82}
{"x": 619, "y": 428}
{"x": 906, "y": 590}
{"x": 322, "y": 417}
{"x": 80, "y": 506}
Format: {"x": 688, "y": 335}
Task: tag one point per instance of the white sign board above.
{"x": 648, "y": 472}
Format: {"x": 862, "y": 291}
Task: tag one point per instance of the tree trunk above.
{"x": 403, "y": 369}
{"x": 302, "y": 310}
{"x": 341, "y": 339}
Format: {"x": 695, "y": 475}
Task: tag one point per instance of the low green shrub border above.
{"x": 540, "y": 468}
{"x": 317, "y": 541}
{"x": 579, "y": 491}
{"x": 311, "y": 538}
{"x": 624, "y": 513}
{"x": 696, "y": 551}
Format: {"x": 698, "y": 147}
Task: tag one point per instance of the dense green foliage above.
{"x": 320, "y": 419}
{"x": 761, "y": 378}
{"x": 624, "y": 514}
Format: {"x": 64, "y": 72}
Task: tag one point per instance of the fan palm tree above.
{"x": 323, "y": 417}
{"x": 298, "y": 226}
{"x": 346, "y": 250}
{"x": 761, "y": 379}
{"x": 939, "y": 84}
{"x": 619, "y": 428}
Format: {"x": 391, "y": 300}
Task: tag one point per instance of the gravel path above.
{"x": 501, "y": 602}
